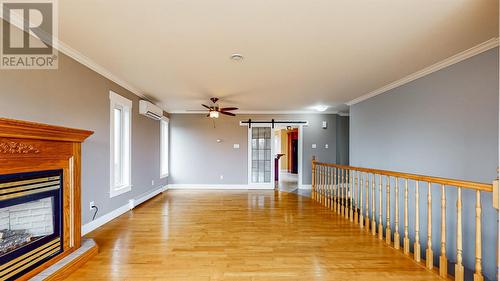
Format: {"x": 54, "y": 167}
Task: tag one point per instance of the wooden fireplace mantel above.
{"x": 29, "y": 147}
{"x": 30, "y": 130}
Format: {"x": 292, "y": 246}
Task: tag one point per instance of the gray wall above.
{"x": 75, "y": 96}
{"x": 343, "y": 140}
{"x": 197, "y": 158}
{"x": 444, "y": 124}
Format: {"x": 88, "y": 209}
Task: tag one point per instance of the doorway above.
{"x": 265, "y": 141}
{"x": 286, "y": 140}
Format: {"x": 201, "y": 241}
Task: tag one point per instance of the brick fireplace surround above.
{"x": 27, "y": 147}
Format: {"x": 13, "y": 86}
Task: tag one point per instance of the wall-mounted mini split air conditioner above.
{"x": 150, "y": 110}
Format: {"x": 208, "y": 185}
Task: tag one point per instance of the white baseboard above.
{"x": 146, "y": 197}
{"x": 218, "y": 186}
{"x": 305, "y": 186}
{"x": 132, "y": 203}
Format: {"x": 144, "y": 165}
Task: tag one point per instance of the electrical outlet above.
{"x": 91, "y": 205}
{"x": 221, "y": 177}
{"x": 326, "y": 145}
{"x": 153, "y": 182}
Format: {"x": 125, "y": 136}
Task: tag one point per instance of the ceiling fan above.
{"x": 214, "y": 110}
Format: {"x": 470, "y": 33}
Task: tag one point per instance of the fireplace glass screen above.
{"x": 24, "y": 223}
{"x": 30, "y": 221}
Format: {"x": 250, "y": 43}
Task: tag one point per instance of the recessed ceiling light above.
{"x": 237, "y": 57}
{"x": 321, "y": 108}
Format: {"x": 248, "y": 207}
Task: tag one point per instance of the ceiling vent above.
{"x": 150, "y": 110}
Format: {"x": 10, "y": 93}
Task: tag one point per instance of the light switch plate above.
{"x": 236, "y": 146}
{"x": 313, "y": 145}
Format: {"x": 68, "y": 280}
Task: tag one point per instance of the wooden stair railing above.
{"x": 344, "y": 189}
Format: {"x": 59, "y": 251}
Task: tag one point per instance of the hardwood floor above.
{"x": 240, "y": 235}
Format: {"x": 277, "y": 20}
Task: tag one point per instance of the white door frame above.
{"x": 299, "y": 153}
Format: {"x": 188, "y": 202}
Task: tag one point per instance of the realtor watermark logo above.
{"x": 29, "y": 34}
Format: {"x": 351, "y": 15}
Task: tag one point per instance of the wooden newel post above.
{"x": 313, "y": 195}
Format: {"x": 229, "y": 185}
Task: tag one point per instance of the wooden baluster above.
{"x": 416, "y": 245}
{"x": 388, "y": 211}
{"x": 374, "y": 223}
{"x": 336, "y": 187}
{"x": 348, "y": 203}
{"x": 325, "y": 183}
{"x": 380, "y": 226}
{"x": 459, "y": 268}
{"x": 478, "y": 275}
{"x": 319, "y": 186}
{"x": 360, "y": 206}
{"x": 367, "y": 194}
{"x": 331, "y": 178}
{"x": 429, "y": 255}
{"x": 327, "y": 187}
{"x": 406, "y": 239}
{"x": 356, "y": 194}
{"x": 324, "y": 186}
{"x": 396, "y": 214}
{"x": 313, "y": 184}
{"x": 332, "y": 185}
{"x": 338, "y": 190}
{"x": 342, "y": 207}
{"x": 443, "y": 261}
{"x": 350, "y": 196}
{"x": 346, "y": 194}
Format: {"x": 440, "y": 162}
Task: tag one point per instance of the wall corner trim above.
{"x": 476, "y": 50}
{"x": 132, "y": 203}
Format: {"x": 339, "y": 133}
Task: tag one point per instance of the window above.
{"x": 164, "y": 147}
{"x": 120, "y": 147}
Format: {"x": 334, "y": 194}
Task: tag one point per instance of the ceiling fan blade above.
{"x": 206, "y": 106}
{"x": 228, "y": 108}
{"x": 227, "y": 113}
{"x": 208, "y": 115}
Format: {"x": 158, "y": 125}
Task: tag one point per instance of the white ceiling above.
{"x": 297, "y": 53}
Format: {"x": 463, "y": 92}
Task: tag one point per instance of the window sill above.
{"x": 120, "y": 191}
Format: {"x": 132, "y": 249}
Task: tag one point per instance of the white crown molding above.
{"x": 257, "y": 112}
{"x": 84, "y": 60}
{"x": 483, "y": 47}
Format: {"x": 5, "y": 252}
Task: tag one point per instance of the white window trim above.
{"x": 164, "y": 147}
{"x": 125, "y": 103}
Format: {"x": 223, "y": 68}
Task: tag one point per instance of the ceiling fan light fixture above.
{"x": 321, "y": 108}
{"x": 214, "y": 114}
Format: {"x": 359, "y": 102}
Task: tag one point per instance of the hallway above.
{"x": 241, "y": 235}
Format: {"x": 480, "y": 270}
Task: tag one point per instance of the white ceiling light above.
{"x": 321, "y": 108}
{"x": 237, "y": 57}
{"x": 214, "y": 114}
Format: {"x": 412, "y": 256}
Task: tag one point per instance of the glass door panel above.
{"x": 261, "y": 155}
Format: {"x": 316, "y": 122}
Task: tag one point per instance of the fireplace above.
{"x": 30, "y": 221}
{"x": 40, "y": 217}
